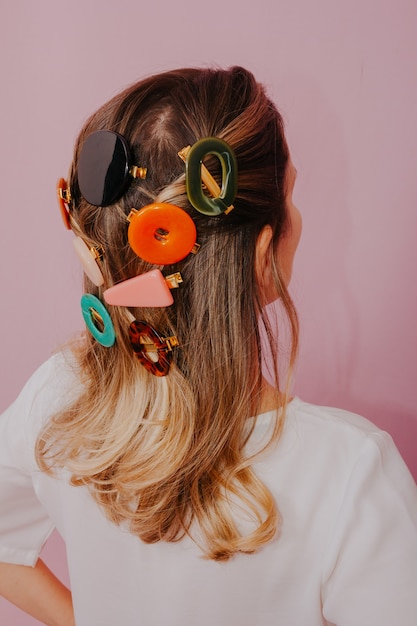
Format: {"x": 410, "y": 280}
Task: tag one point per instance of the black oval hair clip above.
{"x": 105, "y": 168}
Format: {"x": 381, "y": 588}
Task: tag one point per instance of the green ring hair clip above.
{"x": 196, "y": 173}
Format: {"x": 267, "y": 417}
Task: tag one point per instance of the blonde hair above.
{"x": 167, "y": 454}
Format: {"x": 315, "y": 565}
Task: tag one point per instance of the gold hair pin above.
{"x": 138, "y": 172}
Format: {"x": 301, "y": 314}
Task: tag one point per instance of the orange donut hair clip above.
{"x": 161, "y": 233}
{"x": 64, "y": 198}
{"x": 146, "y": 290}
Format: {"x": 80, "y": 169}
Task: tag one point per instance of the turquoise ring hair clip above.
{"x": 98, "y": 320}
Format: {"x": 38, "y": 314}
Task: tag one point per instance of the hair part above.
{"x": 168, "y": 454}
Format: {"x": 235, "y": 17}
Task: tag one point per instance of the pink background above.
{"x": 343, "y": 75}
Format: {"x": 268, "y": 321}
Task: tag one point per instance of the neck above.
{"x": 271, "y": 398}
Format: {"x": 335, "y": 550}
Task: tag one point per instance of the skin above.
{"x": 36, "y": 590}
{"x": 287, "y": 245}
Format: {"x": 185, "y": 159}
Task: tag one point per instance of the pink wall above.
{"x": 343, "y": 74}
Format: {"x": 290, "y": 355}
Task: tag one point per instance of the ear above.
{"x": 263, "y": 270}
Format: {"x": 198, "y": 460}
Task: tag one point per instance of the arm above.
{"x": 38, "y": 592}
{"x": 24, "y": 522}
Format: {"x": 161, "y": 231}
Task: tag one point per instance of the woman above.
{"x": 188, "y": 489}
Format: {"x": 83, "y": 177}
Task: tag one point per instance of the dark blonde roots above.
{"x": 167, "y": 454}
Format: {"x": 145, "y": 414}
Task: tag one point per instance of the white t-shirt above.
{"x": 346, "y": 552}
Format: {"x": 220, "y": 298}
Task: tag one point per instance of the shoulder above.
{"x": 347, "y": 450}
{"x": 61, "y": 371}
{"x": 329, "y": 427}
{"x": 330, "y": 418}
{"x": 337, "y": 472}
{"x": 309, "y": 427}
{"x": 54, "y": 385}
{"x": 327, "y": 448}
{"x": 345, "y": 442}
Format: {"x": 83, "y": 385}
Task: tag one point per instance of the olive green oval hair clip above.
{"x": 196, "y": 173}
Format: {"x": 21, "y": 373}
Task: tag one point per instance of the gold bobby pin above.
{"x": 97, "y": 319}
{"x": 208, "y": 179}
{"x": 173, "y": 280}
{"x": 138, "y": 172}
{"x": 65, "y": 195}
{"x": 149, "y": 345}
{"x": 171, "y": 342}
{"x": 97, "y": 252}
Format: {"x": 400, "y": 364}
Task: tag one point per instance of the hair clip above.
{"x": 153, "y": 351}
{"x": 161, "y": 233}
{"x": 97, "y": 320}
{"x": 64, "y": 199}
{"x": 88, "y": 259}
{"x": 196, "y": 173}
{"x": 146, "y": 290}
{"x": 105, "y": 168}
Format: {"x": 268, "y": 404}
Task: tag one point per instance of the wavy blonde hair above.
{"x": 167, "y": 454}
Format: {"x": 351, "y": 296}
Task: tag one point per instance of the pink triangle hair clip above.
{"x": 151, "y": 289}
